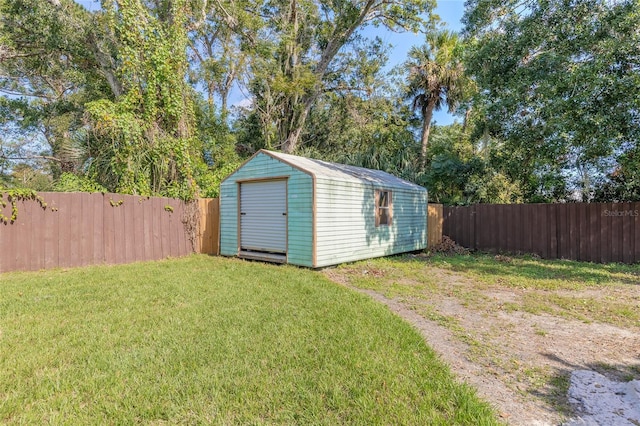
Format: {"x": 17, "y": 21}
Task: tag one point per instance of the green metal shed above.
{"x": 289, "y": 209}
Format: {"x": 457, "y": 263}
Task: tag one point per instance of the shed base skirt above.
{"x": 260, "y": 255}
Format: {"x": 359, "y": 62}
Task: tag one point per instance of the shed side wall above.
{"x": 299, "y": 202}
{"x": 345, "y": 220}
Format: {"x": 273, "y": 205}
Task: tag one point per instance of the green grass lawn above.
{"x": 579, "y": 290}
{"x": 213, "y": 340}
{"x": 450, "y": 290}
{"x": 533, "y": 273}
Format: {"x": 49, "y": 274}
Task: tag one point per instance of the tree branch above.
{"x": 30, "y": 157}
{"x": 344, "y": 88}
{"x": 6, "y": 53}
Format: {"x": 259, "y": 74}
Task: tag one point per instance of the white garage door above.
{"x": 263, "y": 216}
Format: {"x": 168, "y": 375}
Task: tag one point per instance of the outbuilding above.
{"x": 289, "y": 209}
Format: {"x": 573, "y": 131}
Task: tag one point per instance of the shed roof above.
{"x": 343, "y": 172}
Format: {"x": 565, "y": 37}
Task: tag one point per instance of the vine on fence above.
{"x": 15, "y": 195}
{"x": 115, "y": 203}
{"x": 190, "y": 218}
{"x": 191, "y": 221}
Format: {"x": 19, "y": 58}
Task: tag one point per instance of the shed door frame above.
{"x": 275, "y": 254}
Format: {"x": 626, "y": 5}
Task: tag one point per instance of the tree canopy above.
{"x": 436, "y": 77}
{"x": 136, "y": 97}
{"x": 559, "y": 83}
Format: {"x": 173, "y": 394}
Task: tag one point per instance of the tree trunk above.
{"x": 427, "y": 115}
{"x": 298, "y": 120}
{"x": 467, "y": 116}
{"x": 336, "y": 42}
{"x": 291, "y": 143}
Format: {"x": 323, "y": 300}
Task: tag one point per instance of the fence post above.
{"x": 434, "y": 224}
{"x": 209, "y": 229}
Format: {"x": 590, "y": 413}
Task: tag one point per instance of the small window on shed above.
{"x": 384, "y": 205}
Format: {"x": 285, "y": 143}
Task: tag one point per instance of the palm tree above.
{"x": 436, "y": 78}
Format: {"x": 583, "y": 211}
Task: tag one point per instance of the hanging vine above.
{"x": 191, "y": 221}
{"x": 15, "y": 195}
{"x": 148, "y": 133}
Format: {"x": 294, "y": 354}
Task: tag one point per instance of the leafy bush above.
{"x": 69, "y": 182}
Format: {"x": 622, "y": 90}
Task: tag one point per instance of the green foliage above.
{"x": 623, "y": 183}
{"x": 367, "y": 129}
{"x": 28, "y": 176}
{"x": 116, "y": 203}
{"x": 69, "y": 182}
{"x": 210, "y": 181}
{"x": 48, "y": 71}
{"x": 347, "y": 123}
{"x": 133, "y": 98}
{"x": 304, "y": 41}
{"x": 219, "y": 151}
{"x": 436, "y": 78}
{"x": 15, "y": 195}
{"x": 460, "y": 172}
{"x": 148, "y": 132}
{"x": 559, "y": 83}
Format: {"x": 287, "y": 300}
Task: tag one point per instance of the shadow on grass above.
{"x": 534, "y": 269}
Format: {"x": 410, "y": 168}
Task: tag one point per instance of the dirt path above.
{"x": 519, "y": 362}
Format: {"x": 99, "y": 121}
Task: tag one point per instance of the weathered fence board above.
{"x": 77, "y": 229}
{"x": 434, "y": 224}
{"x": 592, "y": 232}
{"x": 209, "y": 232}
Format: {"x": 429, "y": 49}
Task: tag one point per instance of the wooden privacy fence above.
{"x": 591, "y": 232}
{"x": 77, "y": 229}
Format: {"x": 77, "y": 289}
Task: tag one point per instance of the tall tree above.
{"x": 360, "y": 117}
{"x": 222, "y": 36}
{"x": 145, "y": 139}
{"x": 558, "y": 83}
{"x": 436, "y": 78}
{"x": 51, "y": 64}
{"x": 306, "y": 36}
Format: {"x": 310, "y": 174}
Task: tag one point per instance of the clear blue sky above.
{"x": 450, "y": 12}
{"x": 89, "y": 4}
